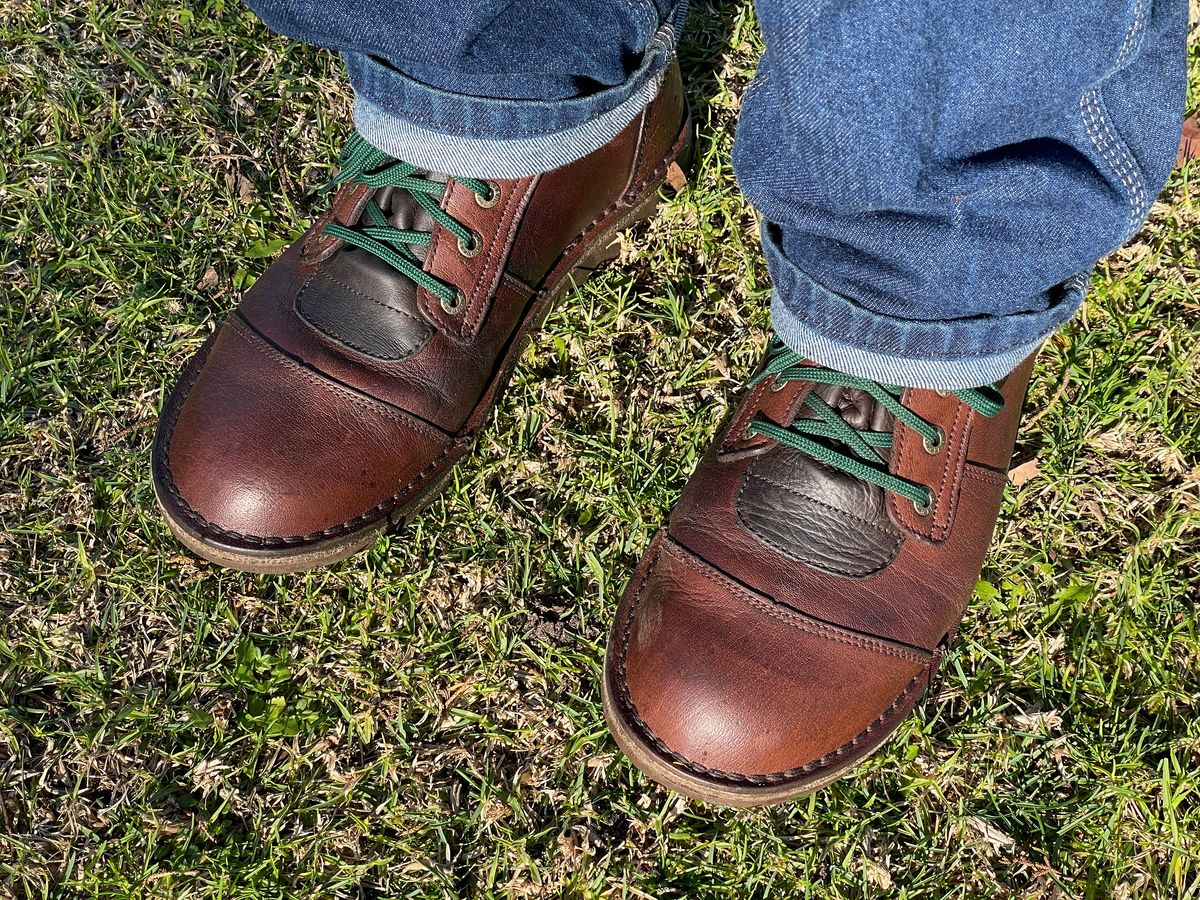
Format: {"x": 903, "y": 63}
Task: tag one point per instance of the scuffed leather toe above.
{"x": 735, "y": 687}
{"x": 238, "y": 436}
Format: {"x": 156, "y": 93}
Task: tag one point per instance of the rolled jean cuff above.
{"x": 481, "y": 137}
{"x": 946, "y": 355}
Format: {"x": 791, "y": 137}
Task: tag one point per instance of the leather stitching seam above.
{"x": 629, "y": 199}
{"x": 796, "y": 618}
{"x": 935, "y": 532}
{"x": 985, "y": 476}
{"x": 332, "y": 386}
{"x": 517, "y": 286}
{"x": 356, "y": 292}
{"x": 483, "y": 288}
{"x": 640, "y": 147}
{"x": 748, "y": 409}
{"x": 958, "y": 432}
{"x": 477, "y": 305}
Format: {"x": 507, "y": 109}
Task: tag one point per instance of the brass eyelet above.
{"x": 473, "y": 248}
{"x": 454, "y": 306}
{"x": 492, "y": 197}
{"x": 778, "y": 384}
{"x": 924, "y": 509}
{"x": 942, "y": 393}
{"x": 934, "y": 447}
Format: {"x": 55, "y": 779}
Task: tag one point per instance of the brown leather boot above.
{"x": 1189, "y": 141}
{"x": 810, "y": 579}
{"x": 335, "y": 400}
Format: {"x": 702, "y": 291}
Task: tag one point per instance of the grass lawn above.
{"x": 424, "y": 720}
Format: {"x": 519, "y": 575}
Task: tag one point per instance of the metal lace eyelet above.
{"x": 942, "y": 393}
{"x": 778, "y": 384}
{"x": 924, "y": 509}
{"x": 456, "y": 304}
{"x": 934, "y": 447}
{"x": 473, "y": 248}
{"x": 492, "y": 197}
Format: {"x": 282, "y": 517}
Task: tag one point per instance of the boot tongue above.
{"x": 858, "y": 409}
{"x": 818, "y": 514}
{"x": 403, "y": 211}
{"x": 359, "y": 300}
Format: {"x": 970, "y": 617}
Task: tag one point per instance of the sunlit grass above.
{"x": 424, "y": 720}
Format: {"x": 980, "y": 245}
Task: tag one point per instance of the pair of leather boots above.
{"x": 796, "y": 605}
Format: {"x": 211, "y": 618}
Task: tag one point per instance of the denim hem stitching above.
{"x": 394, "y": 95}
{"x": 838, "y": 320}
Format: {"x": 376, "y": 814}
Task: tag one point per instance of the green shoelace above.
{"x": 361, "y": 163}
{"x": 809, "y": 436}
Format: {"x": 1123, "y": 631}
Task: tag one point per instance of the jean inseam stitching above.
{"x": 1114, "y": 152}
{"x": 1134, "y": 32}
{"x": 1099, "y": 129}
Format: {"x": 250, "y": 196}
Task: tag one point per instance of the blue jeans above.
{"x": 936, "y": 179}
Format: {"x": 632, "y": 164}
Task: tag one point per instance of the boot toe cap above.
{"x": 257, "y": 449}
{"x": 734, "y": 687}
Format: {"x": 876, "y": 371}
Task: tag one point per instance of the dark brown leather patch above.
{"x": 360, "y": 302}
{"x": 811, "y": 513}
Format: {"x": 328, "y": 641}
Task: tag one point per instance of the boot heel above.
{"x": 684, "y": 165}
{"x": 676, "y": 180}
